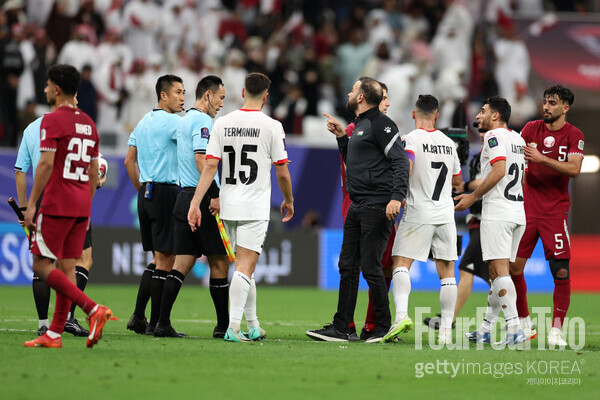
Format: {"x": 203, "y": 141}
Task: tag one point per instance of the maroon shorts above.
{"x": 58, "y": 237}
{"x": 386, "y": 260}
{"x": 555, "y": 238}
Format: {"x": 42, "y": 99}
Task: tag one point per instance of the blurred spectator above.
{"x": 45, "y": 54}
{"x": 112, "y": 47}
{"x": 523, "y": 107}
{"x": 87, "y": 96}
{"x": 11, "y": 68}
{"x": 233, "y": 77}
{"x": 109, "y": 81}
{"x": 27, "y": 115}
{"x": 22, "y": 35}
{"x": 141, "y": 23}
{"x": 512, "y": 60}
{"x": 291, "y": 110}
{"x": 142, "y": 95}
{"x": 58, "y": 26}
{"x": 88, "y": 15}
{"x": 352, "y": 58}
{"x": 81, "y": 49}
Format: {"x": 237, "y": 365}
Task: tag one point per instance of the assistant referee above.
{"x": 151, "y": 163}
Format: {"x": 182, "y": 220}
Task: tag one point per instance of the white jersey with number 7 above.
{"x": 247, "y": 142}
{"x": 429, "y": 199}
{"x": 504, "y": 202}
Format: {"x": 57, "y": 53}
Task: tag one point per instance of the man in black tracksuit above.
{"x": 377, "y": 180}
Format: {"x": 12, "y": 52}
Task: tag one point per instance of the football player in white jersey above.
{"x": 428, "y": 219}
{"x": 502, "y": 215}
{"x": 248, "y": 142}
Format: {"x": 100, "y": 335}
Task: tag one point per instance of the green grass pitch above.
{"x": 287, "y": 365}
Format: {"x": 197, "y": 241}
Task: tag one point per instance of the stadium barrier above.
{"x": 292, "y": 258}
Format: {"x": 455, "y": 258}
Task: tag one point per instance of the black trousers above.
{"x": 366, "y": 232}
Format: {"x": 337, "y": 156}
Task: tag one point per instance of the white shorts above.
{"x": 415, "y": 240}
{"x": 500, "y": 240}
{"x": 247, "y": 234}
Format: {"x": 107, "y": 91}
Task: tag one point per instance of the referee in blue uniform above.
{"x": 151, "y": 163}
{"x": 192, "y": 137}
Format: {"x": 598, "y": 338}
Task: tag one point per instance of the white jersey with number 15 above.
{"x": 247, "y": 142}
{"x": 429, "y": 199}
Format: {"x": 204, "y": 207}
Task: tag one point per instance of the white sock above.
{"x": 43, "y": 322}
{"x": 52, "y": 334}
{"x": 507, "y": 296}
{"x": 250, "y": 310}
{"x": 93, "y": 310}
{"x": 400, "y": 291}
{"x": 448, "y": 292}
{"x": 526, "y": 322}
{"x": 69, "y": 316}
{"x": 238, "y": 294}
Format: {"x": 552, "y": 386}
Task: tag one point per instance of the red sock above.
{"x": 370, "y": 318}
{"x": 58, "y": 281}
{"x": 562, "y": 299}
{"x": 61, "y": 312}
{"x": 521, "y": 289}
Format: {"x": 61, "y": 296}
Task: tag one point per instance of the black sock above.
{"x": 81, "y": 275}
{"x": 169, "y": 295}
{"x": 156, "y": 289}
{"x": 41, "y": 296}
{"x": 144, "y": 291}
{"x": 219, "y": 291}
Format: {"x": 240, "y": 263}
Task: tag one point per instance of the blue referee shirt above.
{"x": 29, "y": 151}
{"x": 193, "y": 132}
{"x": 155, "y": 138}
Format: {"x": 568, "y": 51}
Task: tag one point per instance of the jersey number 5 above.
{"x": 245, "y": 161}
{"x": 77, "y": 152}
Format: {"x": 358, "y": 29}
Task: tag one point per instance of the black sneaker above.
{"x": 375, "y": 336}
{"x": 219, "y": 333}
{"x": 365, "y": 334}
{"x": 137, "y": 324}
{"x": 434, "y": 323}
{"x": 150, "y": 329}
{"x": 42, "y": 330}
{"x": 328, "y": 334}
{"x": 167, "y": 331}
{"x": 352, "y": 336}
{"x": 72, "y": 326}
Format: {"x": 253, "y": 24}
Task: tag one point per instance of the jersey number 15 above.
{"x": 246, "y": 179}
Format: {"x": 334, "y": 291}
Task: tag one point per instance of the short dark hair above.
{"x": 165, "y": 82}
{"x": 209, "y": 82}
{"x": 371, "y": 90}
{"x": 427, "y": 104}
{"x": 66, "y": 77}
{"x": 564, "y": 94}
{"x": 256, "y": 83}
{"x": 383, "y": 86}
{"x": 499, "y": 105}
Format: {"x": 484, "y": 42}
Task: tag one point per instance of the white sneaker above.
{"x": 444, "y": 339}
{"x": 530, "y": 333}
{"x": 555, "y": 338}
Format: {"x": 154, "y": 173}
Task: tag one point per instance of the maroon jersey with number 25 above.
{"x": 72, "y": 135}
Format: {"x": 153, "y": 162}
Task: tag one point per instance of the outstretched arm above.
{"x": 497, "y": 173}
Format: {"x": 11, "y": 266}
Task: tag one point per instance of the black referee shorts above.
{"x": 206, "y": 240}
{"x": 156, "y": 217}
{"x": 472, "y": 261}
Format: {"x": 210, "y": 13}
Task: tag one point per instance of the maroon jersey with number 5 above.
{"x": 546, "y": 190}
{"x": 72, "y": 135}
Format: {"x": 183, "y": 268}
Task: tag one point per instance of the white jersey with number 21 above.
{"x": 504, "y": 202}
{"x": 247, "y": 142}
{"x": 429, "y": 199}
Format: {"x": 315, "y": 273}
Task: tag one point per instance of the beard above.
{"x": 351, "y": 106}
{"x": 482, "y": 128}
{"x": 551, "y": 118}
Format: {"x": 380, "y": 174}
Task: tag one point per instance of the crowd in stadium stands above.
{"x": 312, "y": 50}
